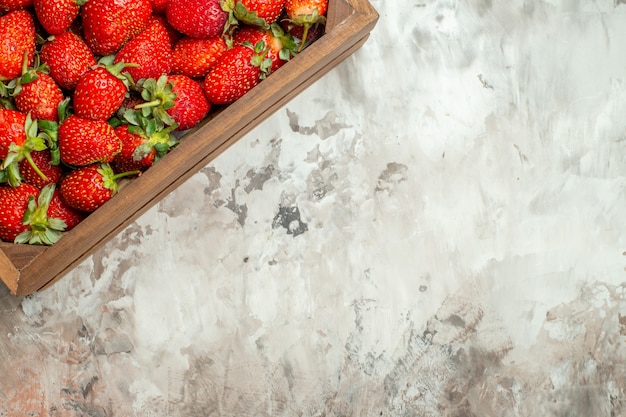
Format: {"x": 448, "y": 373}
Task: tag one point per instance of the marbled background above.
{"x": 435, "y": 228}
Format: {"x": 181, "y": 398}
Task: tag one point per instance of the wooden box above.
{"x": 27, "y": 268}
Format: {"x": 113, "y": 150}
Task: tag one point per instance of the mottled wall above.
{"x": 435, "y": 228}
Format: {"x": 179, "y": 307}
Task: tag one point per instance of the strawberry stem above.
{"x": 34, "y": 166}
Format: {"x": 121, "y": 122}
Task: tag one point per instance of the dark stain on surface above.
{"x": 289, "y": 218}
{"x": 325, "y": 128}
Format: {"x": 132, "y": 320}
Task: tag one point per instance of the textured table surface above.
{"x": 435, "y": 228}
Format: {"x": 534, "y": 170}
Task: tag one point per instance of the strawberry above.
{"x": 281, "y": 45}
{"x": 36, "y": 92}
{"x": 100, "y": 91}
{"x": 59, "y": 209}
{"x": 46, "y": 218}
{"x": 56, "y": 16}
{"x": 11, "y": 130}
{"x": 17, "y": 37}
{"x": 144, "y": 142}
{"x": 13, "y": 205}
{"x": 43, "y": 160}
{"x": 11, "y": 5}
{"x": 88, "y": 188}
{"x": 306, "y": 13}
{"x": 195, "y": 57}
{"x": 68, "y": 57}
{"x": 84, "y": 142}
{"x": 196, "y": 18}
{"x": 158, "y": 6}
{"x": 17, "y": 143}
{"x": 176, "y": 99}
{"x": 236, "y": 72}
{"x": 109, "y": 24}
{"x": 260, "y": 13}
{"x": 151, "y": 50}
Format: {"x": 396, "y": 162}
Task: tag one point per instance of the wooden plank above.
{"x": 349, "y": 25}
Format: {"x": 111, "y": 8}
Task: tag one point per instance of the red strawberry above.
{"x": 151, "y": 50}
{"x": 195, "y": 57}
{"x": 17, "y": 37}
{"x": 22, "y": 143}
{"x": 100, "y": 92}
{"x": 59, "y": 209}
{"x": 306, "y": 13}
{"x": 36, "y": 92}
{"x": 236, "y": 72}
{"x": 13, "y": 206}
{"x": 260, "y": 13}
{"x": 143, "y": 143}
{"x": 68, "y": 58}
{"x": 46, "y": 218}
{"x": 11, "y": 130}
{"x": 196, "y": 18}
{"x": 176, "y": 99}
{"x": 281, "y": 45}
{"x": 88, "y": 188}
{"x": 10, "y": 5}
{"x": 109, "y": 24}
{"x": 84, "y": 142}
{"x": 43, "y": 160}
{"x": 56, "y": 16}
{"x": 158, "y": 6}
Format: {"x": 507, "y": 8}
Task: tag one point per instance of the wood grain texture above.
{"x": 26, "y": 270}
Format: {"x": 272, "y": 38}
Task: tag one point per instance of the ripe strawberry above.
{"x": 13, "y": 206}
{"x": 100, "y": 92}
{"x": 46, "y": 218}
{"x": 43, "y": 160}
{"x": 260, "y": 13}
{"x": 84, "y": 142}
{"x": 88, "y": 188}
{"x": 195, "y": 57}
{"x": 144, "y": 142}
{"x": 12, "y": 130}
{"x": 10, "y": 5}
{"x": 59, "y": 209}
{"x": 17, "y": 36}
{"x": 281, "y": 45}
{"x": 151, "y": 50}
{"x": 19, "y": 137}
{"x": 36, "y": 92}
{"x": 196, "y": 18}
{"x": 158, "y": 6}
{"x": 306, "y": 13}
{"x": 109, "y": 24}
{"x": 68, "y": 58}
{"x": 236, "y": 72}
{"x": 56, "y": 16}
{"x": 176, "y": 99}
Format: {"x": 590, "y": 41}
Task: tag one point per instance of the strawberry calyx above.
{"x": 287, "y": 45}
{"x": 29, "y": 74}
{"x": 42, "y": 230}
{"x": 260, "y": 58}
{"x": 239, "y": 13}
{"x": 34, "y": 142}
{"x": 117, "y": 69}
{"x": 110, "y": 178}
{"x": 159, "y": 97}
{"x": 156, "y": 135}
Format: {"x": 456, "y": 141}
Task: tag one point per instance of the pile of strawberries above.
{"x": 95, "y": 90}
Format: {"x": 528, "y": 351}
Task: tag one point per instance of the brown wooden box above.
{"x": 27, "y": 268}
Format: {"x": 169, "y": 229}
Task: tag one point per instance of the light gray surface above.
{"x": 435, "y": 228}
